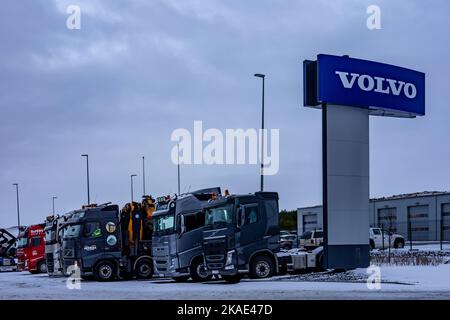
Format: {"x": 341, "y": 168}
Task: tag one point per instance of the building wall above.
{"x": 417, "y": 207}
{"x": 316, "y": 211}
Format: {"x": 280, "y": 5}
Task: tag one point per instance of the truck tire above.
{"x": 105, "y": 271}
{"x": 198, "y": 272}
{"x": 399, "y": 243}
{"x": 232, "y": 279}
{"x": 143, "y": 269}
{"x": 42, "y": 267}
{"x": 261, "y": 267}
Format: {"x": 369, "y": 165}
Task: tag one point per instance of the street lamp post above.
{"x": 53, "y": 204}
{"x": 262, "y": 76}
{"x": 178, "y": 167}
{"x": 132, "y": 176}
{"x": 17, "y": 201}
{"x": 87, "y": 176}
{"x": 143, "y": 176}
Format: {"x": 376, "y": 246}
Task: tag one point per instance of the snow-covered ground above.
{"x": 398, "y": 282}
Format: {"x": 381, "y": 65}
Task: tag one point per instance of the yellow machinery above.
{"x": 136, "y": 222}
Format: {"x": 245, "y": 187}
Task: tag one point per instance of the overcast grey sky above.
{"x": 137, "y": 70}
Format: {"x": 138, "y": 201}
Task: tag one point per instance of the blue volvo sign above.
{"x": 384, "y": 89}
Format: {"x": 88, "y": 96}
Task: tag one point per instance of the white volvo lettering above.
{"x": 377, "y": 84}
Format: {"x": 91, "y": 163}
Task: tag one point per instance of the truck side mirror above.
{"x": 239, "y": 216}
{"x": 182, "y": 226}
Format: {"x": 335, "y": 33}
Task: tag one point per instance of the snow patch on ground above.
{"x": 398, "y": 282}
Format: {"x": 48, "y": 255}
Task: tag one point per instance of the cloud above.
{"x": 138, "y": 70}
{"x": 101, "y": 52}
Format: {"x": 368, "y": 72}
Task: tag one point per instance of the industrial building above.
{"x": 422, "y": 216}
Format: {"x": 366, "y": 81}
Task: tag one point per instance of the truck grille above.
{"x": 215, "y": 247}
{"x": 213, "y": 266}
{"x": 162, "y": 263}
{"x": 50, "y": 264}
{"x": 69, "y": 253}
{"x": 215, "y": 251}
{"x": 215, "y": 257}
{"x": 161, "y": 258}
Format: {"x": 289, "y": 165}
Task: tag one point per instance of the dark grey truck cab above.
{"x": 97, "y": 239}
{"x": 178, "y": 226}
{"x": 241, "y": 236}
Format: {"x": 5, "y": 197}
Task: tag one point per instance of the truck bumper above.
{"x": 8, "y": 268}
{"x": 171, "y": 274}
{"x": 226, "y": 272}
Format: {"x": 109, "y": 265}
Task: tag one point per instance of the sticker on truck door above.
{"x": 110, "y": 227}
{"x": 111, "y": 240}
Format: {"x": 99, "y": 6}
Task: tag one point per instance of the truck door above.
{"x": 377, "y": 237}
{"x": 252, "y": 227}
{"x": 190, "y": 240}
{"x": 37, "y": 249}
{"x": 92, "y": 243}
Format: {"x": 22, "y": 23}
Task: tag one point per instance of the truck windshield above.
{"x": 22, "y": 242}
{"x": 50, "y": 235}
{"x": 163, "y": 224}
{"x": 222, "y": 215}
{"x": 72, "y": 231}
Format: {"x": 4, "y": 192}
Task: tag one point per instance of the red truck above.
{"x": 31, "y": 249}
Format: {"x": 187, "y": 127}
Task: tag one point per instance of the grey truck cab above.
{"x": 178, "y": 225}
{"x": 242, "y": 235}
{"x": 54, "y": 234}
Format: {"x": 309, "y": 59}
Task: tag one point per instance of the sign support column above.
{"x": 345, "y": 186}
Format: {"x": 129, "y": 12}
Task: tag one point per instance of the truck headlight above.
{"x": 230, "y": 257}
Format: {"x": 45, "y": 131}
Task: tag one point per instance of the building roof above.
{"x": 413, "y": 195}
{"x": 399, "y": 197}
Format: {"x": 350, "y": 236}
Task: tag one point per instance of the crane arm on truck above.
{"x": 7, "y": 240}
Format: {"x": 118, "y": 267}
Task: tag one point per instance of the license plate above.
{"x": 215, "y": 272}
{"x": 6, "y": 262}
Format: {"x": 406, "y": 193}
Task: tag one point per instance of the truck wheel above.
{"x": 105, "y": 271}
{"x": 399, "y": 244}
{"x": 261, "y": 267}
{"x": 232, "y": 279}
{"x": 143, "y": 269}
{"x": 42, "y": 267}
{"x": 198, "y": 272}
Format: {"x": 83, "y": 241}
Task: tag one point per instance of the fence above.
{"x": 418, "y": 232}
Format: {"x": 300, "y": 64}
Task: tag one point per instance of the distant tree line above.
{"x": 288, "y": 220}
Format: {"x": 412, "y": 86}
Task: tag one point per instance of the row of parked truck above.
{"x": 199, "y": 235}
